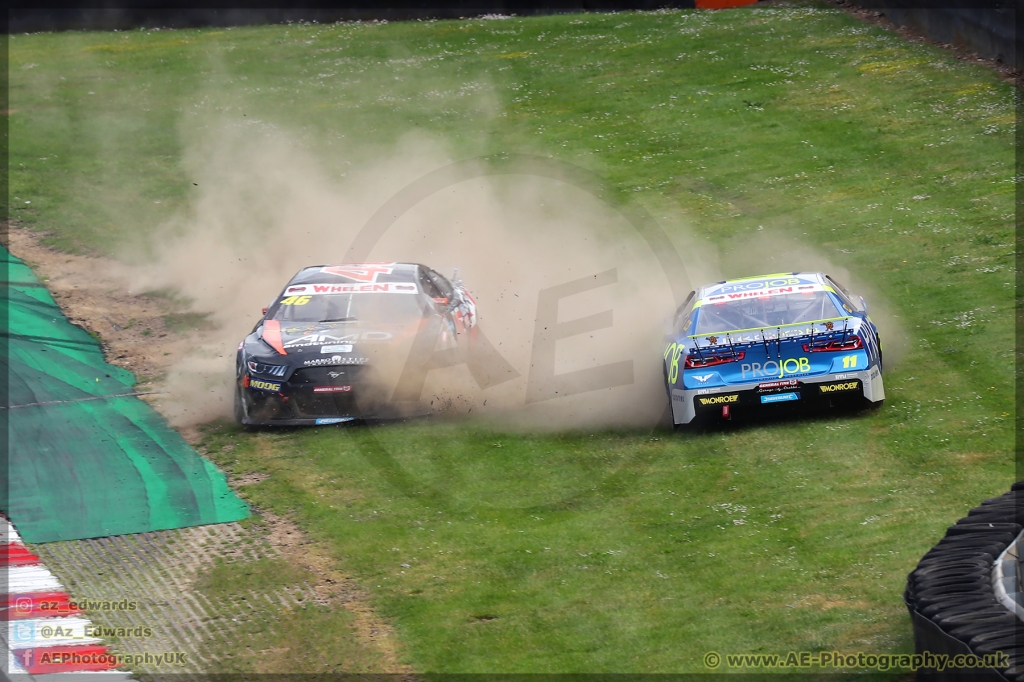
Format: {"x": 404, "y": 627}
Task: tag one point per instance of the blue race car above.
{"x": 791, "y": 339}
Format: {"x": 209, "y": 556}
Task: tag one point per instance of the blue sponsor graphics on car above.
{"x": 780, "y": 397}
{"x": 850, "y": 361}
{"x": 333, "y": 420}
{"x": 343, "y": 348}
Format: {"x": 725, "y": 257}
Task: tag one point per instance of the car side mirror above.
{"x": 863, "y": 303}
{"x": 265, "y": 310}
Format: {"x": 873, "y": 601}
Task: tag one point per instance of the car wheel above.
{"x": 239, "y": 407}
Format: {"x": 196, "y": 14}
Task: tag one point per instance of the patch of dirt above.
{"x": 333, "y": 588}
{"x": 878, "y": 18}
{"x": 93, "y": 293}
{"x": 135, "y": 335}
{"x": 249, "y": 479}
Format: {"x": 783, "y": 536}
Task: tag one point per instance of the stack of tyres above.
{"x": 951, "y": 599}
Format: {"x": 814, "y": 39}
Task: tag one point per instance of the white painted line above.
{"x": 31, "y": 579}
{"x": 7, "y": 532}
{"x": 35, "y": 633}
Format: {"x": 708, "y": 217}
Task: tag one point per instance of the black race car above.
{"x": 322, "y": 349}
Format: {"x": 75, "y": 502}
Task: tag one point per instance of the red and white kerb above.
{"x": 35, "y": 609}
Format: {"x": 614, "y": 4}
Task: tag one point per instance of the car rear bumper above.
{"x": 688, "y": 404}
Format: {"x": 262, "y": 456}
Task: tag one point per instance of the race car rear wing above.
{"x": 821, "y": 335}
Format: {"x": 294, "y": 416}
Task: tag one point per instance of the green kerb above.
{"x": 86, "y": 460}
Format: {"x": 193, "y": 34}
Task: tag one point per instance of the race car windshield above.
{"x": 375, "y": 307}
{"x": 768, "y": 311}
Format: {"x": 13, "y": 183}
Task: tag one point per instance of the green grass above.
{"x": 627, "y": 551}
{"x": 301, "y": 638}
{"x": 227, "y": 579}
{"x": 603, "y": 551}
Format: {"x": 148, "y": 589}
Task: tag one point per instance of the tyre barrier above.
{"x": 965, "y": 596}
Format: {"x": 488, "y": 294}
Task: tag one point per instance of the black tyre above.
{"x": 668, "y": 389}
{"x": 239, "y": 407}
{"x": 878, "y": 340}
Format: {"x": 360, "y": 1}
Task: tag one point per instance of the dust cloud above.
{"x": 265, "y": 207}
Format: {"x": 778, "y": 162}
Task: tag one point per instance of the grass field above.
{"x": 606, "y": 551}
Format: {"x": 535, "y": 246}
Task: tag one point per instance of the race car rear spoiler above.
{"x": 732, "y": 343}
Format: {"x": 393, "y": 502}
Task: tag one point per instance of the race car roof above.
{"x": 761, "y": 282}
{"x": 357, "y": 272}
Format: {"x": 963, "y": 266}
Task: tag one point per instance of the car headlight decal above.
{"x": 265, "y": 369}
